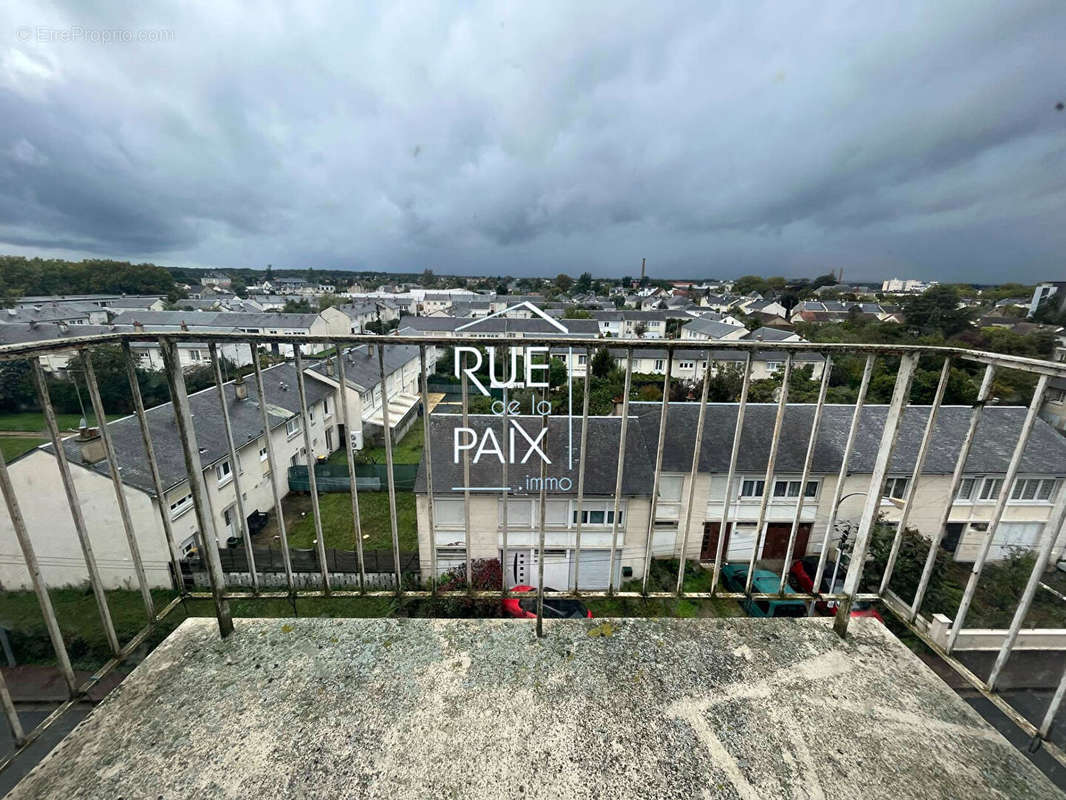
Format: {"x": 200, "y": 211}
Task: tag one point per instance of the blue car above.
{"x": 764, "y": 582}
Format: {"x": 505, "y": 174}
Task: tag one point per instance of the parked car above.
{"x": 766, "y": 582}
{"x": 802, "y": 576}
{"x": 554, "y": 607}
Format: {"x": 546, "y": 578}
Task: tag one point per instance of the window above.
{"x": 1058, "y": 395}
{"x": 262, "y": 454}
{"x": 292, "y": 427}
{"x": 448, "y": 513}
{"x": 792, "y": 489}
{"x": 990, "y": 488}
{"x": 752, "y": 488}
{"x": 366, "y": 397}
{"x": 773, "y": 366}
{"x": 195, "y": 355}
{"x": 311, "y": 413}
{"x": 325, "y": 407}
{"x": 660, "y": 364}
{"x": 1040, "y": 490}
{"x": 966, "y": 488}
{"x": 670, "y": 487}
{"x": 223, "y": 472}
{"x": 555, "y": 512}
{"x": 180, "y": 506}
{"x": 598, "y": 516}
{"x": 686, "y": 364}
{"x": 895, "y": 488}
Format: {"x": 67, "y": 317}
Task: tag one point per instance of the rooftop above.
{"x": 398, "y": 708}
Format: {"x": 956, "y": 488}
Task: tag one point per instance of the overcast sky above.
{"x": 912, "y": 139}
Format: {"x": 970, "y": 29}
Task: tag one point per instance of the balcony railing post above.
{"x": 235, "y": 463}
{"x": 40, "y": 588}
{"x": 316, "y": 510}
{"x": 504, "y": 501}
{"x": 194, "y": 469}
{"x": 808, "y": 460}
{"x": 1053, "y": 707}
{"x": 466, "y": 474}
{"x": 541, "y": 521}
{"x": 353, "y": 488}
{"x": 74, "y": 504}
{"x": 657, "y": 475}
{"x": 620, "y": 469}
{"x": 912, "y": 484}
{"x": 1053, "y": 529}
{"x": 428, "y": 461}
{"x": 731, "y": 474}
{"x": 581, "y": 469}
{"x": 893, "y": 419}
{"x": 842, "y": 474}
{"x": 272, "y": 464}
{"x": 768, "y": 480}
{"x": 116, "y": 483}
{"x": 153, "y": 467}
{"x": 997, "y": 514}
{"x": 956, "y": 479}
{"x": 17, "y": 733}
{"x": 391, "y": 477}
{"x": 697, "y": 448}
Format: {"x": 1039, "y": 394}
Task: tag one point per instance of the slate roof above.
{"x": 993, "y": 444}
{"x": 361, "y": 369}
{"x": 45, "y": 312}
{"x": 245, "y": 418}
{"x": 712, "y": 328}
{"x": 221, "y": 319}
{"x": 600, "y": 465}
{"x": 769, "y": 335}
{"x": 576, "y": 327}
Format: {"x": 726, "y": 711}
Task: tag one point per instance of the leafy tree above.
{"x": 584, "y": 282}
{"x": 572, "y": 312}
{"x": 936, "y": 310}
{"x": 747, "y": 284}
{"x": 301, "y": 306}
{"x": 602, "y": 364}
{"x": 829, "y": 279}
{"x": 618, "y": 300}
{"x": 563, "y": 282}
{"x": 428, "y": 279}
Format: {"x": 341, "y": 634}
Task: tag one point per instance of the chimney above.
{"x": 138, "y": 326}
{"x": 90, "y": 443}
{"x": 63, "y": 327}
{"x": 240, "y": 388}
{"x": 370, "y": 351}
{"x": 184, "y": 326}
{"x": 330, "y": 368}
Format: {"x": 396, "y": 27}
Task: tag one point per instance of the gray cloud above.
{"x": 713, "y": 139}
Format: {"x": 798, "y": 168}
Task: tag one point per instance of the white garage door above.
{"x": 741, "y": 543}
{"x": 1013, "y": 535}
{"x": 595, "y": 567}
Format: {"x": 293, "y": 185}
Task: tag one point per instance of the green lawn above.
{"x": 337, "y": 525}
{"x": 14, "y": 446}
{"x": 34, "y": 421}
{"x": 663, "y": 578}
{"x": 407, "y": 451}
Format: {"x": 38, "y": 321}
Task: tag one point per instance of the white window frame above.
{"x": 895, "y": 488}
{"x": 181, "y": 506}
{"x": 292, "y": 426}
{"x": 1040, "y": 491}
{"x": 750, "y": 488}
{"x": 223, "y": 472}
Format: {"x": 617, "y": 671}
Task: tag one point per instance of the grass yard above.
{"x": 337, "y": 525}
{"x": 14, "y": 446}
{"x": 663, "y": 578}
{"x": 31, "y": 421}
{"x": 407, "y": 451}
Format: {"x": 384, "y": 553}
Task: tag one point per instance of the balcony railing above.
{"x": 905, "y": 609}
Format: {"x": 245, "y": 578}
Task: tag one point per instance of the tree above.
{"x": 937, "y": 310}
{"x": 829, "y": 279}
{"x": 301, "y": 306}
{"x": 584, "y": 282}
{"x": 602, "y": 364}
{"x": 576, "y": 313}
{"x": 269, "y": 275}
{"x": 618, "y": 300}
{"x": 428, "y": 279}
{"x": 746, "y": 284}
{"x": 563, "y": 282}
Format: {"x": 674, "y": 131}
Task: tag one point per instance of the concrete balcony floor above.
{"x": 714, "y": 708}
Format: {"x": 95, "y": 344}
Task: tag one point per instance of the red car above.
{"x": 554, "y": 607}
{"x": 802, "y": 574}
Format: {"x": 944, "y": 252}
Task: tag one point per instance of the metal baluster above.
{"x": 353, "y": 488}
{"x": 116, "y": 483}
{"x": 466, "y": 476}
{"x": 581, "y": 469}
{"x": 727, "y": 499}
{"x": 74, "y": 503}
{"x": 195, "y": 470}
{"x": 621, "y": 468}
{"x": 842, "y": 475}
{"x": 997, "y": 515}
{"x": 768, "y": 480}
{"x": 316, "y": 511}
{"x": 506, "y": 491}
{"x": 17, "y": 733}
{"x": 696, "y": 448}
{"x": 1052, "y": 530}
{"x": 912, "y": 484}
{"x": 279, "y": 512}
{"x": 428, "y": 447}
{"x": 541, "y": 525}
{"x": 235, "y": 463}
{"x": 153, "y": 467}
{"x": 658, "y": 470}
{"x": 956, "y": 479}
{"x": 44, "y": 600}
{"x": 812, "y": 443}
{"x": 896, "y": 407}
{"x": 388, "y": 465}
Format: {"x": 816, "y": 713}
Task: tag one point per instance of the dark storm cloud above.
{"x": 714, "y": 139}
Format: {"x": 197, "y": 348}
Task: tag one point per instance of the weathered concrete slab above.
{"x": 735, "y": 708}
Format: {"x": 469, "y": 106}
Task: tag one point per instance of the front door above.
{"x": 709, "y": 548}
{"x": 775, "y": 545}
